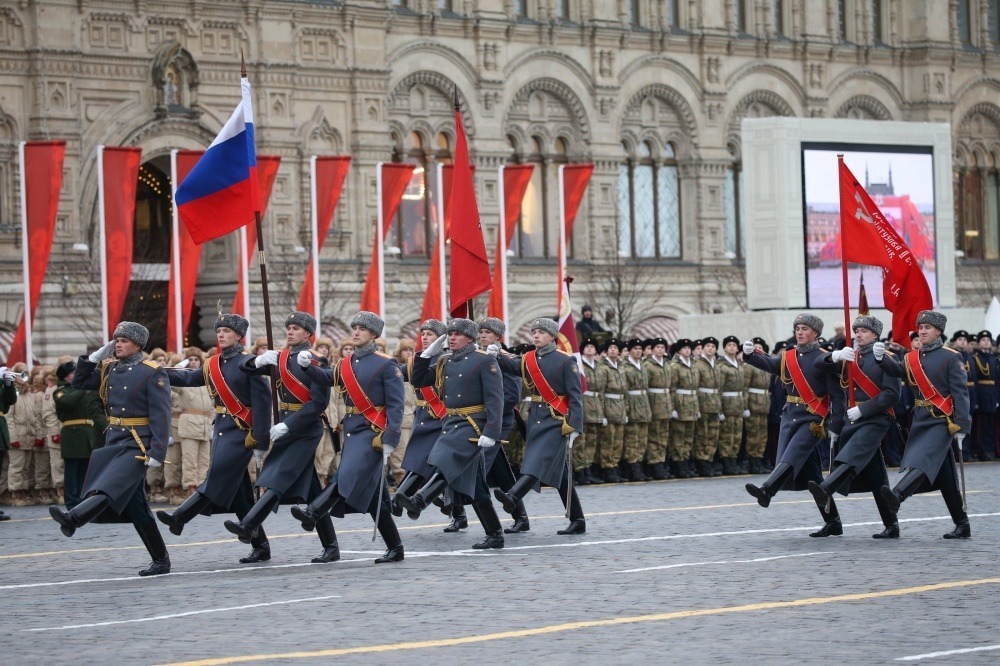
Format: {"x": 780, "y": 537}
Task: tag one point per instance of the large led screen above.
{"x": 900, "y": 180}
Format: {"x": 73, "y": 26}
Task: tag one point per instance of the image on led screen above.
{"x": 900, "y": 180}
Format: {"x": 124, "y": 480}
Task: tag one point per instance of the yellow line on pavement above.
{"x": 589, "y": 624}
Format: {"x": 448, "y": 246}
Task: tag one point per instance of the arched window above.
{"x": 977, "y": 185}
{"x": 415, "y": 219}
{"x": 734, "y": 211}
{"x": 649, "y": 203}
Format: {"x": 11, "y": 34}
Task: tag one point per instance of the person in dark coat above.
{"x": 587, "y": 326}
{"x": 8, "y": 396}
{"x": 239, "y": 434}
{"x": 858, "y": 463}
{"x": 469, "y": 383}
{"x": 554, "y": 421}
{"x": 136, "y": 394}
{"x": 987, "y": 399}
{"x": 960, "y": 343}
{"x": 289, "y": 474}
{"x": 77, "y": 437}
{"x": 814, "y": 404}
{"x": 372, "y": 385}
{"x": 941, "y": 414}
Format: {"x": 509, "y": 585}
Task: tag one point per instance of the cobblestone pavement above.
{"x": 684, "y": 571}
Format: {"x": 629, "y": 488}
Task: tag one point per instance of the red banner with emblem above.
{"x": 120, "y": 180}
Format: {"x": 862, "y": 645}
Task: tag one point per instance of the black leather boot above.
{"x": 520, "y": 516}
{"x": 772, "y": 484}
{"x": 183, "y": 514}
{"x": 459, "y": 521}
{"x": 635, "y": 472}
{"x": 390, "y": 535}
{"x": 490, "y": 522}
{"x": 907, "y": 486}
{"x": 153, "y": 541}
{"x": 832, "y": 526}
{"x": 891, "y": 530}
{"x": 245, "y": 528}
{"x": 729, "y": 467}
{"x": 261, "y": 549}
{"x": 822, "y": 492}
{"x": 962, "y": 531}
{"x": 577, "y": 523}
{"x": 517, "y": 492}
{"x": 409, "y": 483}
{"x": 593, "y": 477}
{"x": 423, "y": 497}
{"x": 953, "y": 499}
{"x": 82, "y": 513}
{"x": 316, "y": 509}
{"x": 328, "y": 539}
{"x": 704, "y": 468}
{"x": 610, "y": 475}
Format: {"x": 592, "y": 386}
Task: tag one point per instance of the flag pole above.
{"x": 27, "y": 263}
{"x": 175, "y": 238}
{"x": 379, "y": 243}
{"x": 245, "y": 279}
{"x": 502, "y": 254}
{"x": 442, "y": 277}
{"x": 847, "y": 300}
{"x": 102, "y": 240}
{"x": 315, "y": 236}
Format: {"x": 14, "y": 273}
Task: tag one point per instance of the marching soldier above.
{"x": 685, "y": 414}
{"x": 639, "y": 415}
{"x": 987, "y": 397}
{"x": 594, "y": 422}
{"x": 136, "y": 394}
{"x": 8, "y": 397}
{"x": 734, "y": 404}
{"x": 75, "y": 409}
{"x": 469, "y": 383}
{"x": 706, "y": 433}
{"x": 941, "y": 414}
{"x": 554, "y": 421}
{"x": 373, "y": 392}
{"x": 289, "y": 473}
{"x": 756, "y": 383}
{"x": 815, "y": 403}
{"x": 242, "y": 406}
{"x": 615, "y": 411}
{"x": 660, "y": 404}
{"x": 858, "y": 463}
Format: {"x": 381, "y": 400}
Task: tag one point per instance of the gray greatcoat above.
{"x": 498, "y": 471}
{"x": 426, "y": 430}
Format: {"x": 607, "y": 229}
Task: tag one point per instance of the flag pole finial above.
{"x": 243, "y": 65}
{"x": 458, "y": 105}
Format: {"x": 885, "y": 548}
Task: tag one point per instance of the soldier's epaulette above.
{"x": 953, "y": 351}
{"x": 564, "y": 353}
{"x": 153, "y": 364}
{"x": 480, "y": 351}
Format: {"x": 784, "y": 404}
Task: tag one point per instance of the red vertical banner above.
{"x": 267, "y": 171}
{"x": 395, "y": 177}
{"x": 516, "y": 178}
{"x": 574, "y": 180}
{"x": 41, "y": 181}
{"x": 187, "y": 255}
{"x": 120, "y": 178}
{"x": 576, "y": 177}
{"x": 331, "y": 171}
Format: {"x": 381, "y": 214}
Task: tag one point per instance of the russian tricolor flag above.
{"x": 221, "y": 194}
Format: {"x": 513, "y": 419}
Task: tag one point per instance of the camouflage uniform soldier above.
{"x": 756, "y": 382}
{"x": 585, "y": 447}
{"x": 685, "y": 413}
{"x": 706, "y": 434}
{"x": 660, "y": 405}
{"x": 639, "y": 415}
{"x": 612, "y": 435}
{"x": 734, "y": 405}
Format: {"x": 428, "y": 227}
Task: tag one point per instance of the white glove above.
{"x": 748, "y": 347}
{"x": 493, "y": 350}
{"x": 626, "y": 421}
{"x": 153, "y": 462}
{"x": 305, "y": 358}
{"x": 170, "y": 440}
{"x": 604, "y": 422}
{"x": 278, "y": 431}
{"x": 7, "y": 375}
{"x": 959, "y": 436}
{"x": 486, "y": 442}
{"x": 258, "y": 455}
{"x": 270, "y": 357}
{"x": 833, "y": 438}
{"x": 183, "y": 364}
{"x": 746, "y": 413}
{"x": 674, "y": 415}
{"x": 103, "y": 352}
{"x": 845, "y": 354}
{"x": 722, "y": 417}
{"x": 572, "y": 438}
{"x": 697, "y": 415}
{"x": 853, "y": 414}
{"x": 435, "y": 347}
{"x": 879, "y": 350}
{"x": 386, "y": 452}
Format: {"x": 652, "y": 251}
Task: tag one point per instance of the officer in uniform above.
{"x": 469, "y": 383}
{"x": 756, "y": 383}
{"x": 941, "y": 414}
{"x": 8, "y": 396}
{"x": 685, "y": 413}
{"x": 615, "y": 411}
{"x": 960, "y": 342}
{"x": 289, "y": 473}
{"x": 706, "y": 433}
{"x": 75, "y": 408}
{"x": 242, "y": 405}
{"x": 987, "y": 397}
{"x": 858, "y": 464}
{"x": 814, "y": 404}
{"x": 639, "y": 414}
{"x": 660, "y": 404}
{"x": 137, "y": 396}
{"x": 372, "y": 384}
{"x": 554, "y": 421}
{"x": 594, "y": 422}
{"x": 734, "y": 404}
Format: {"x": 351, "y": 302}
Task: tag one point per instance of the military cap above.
{"x": 493, "y": 324}
{"x": 633, "y": 343}
{"x": 546, "y": 324}
{"x": 130, "y": 330}
{"x": 232, "y": 321}
{"x": 680, "y": 344}
{"x": 586, "y": 308}
{"x": 590, "y": 341}
{"x": 730, "y": 338}
{"x": 695, "y": 343}
{"x": 984, "y": 334}
{"x": 435, "y": 326}
{"x": 955, "y": 336}
{"x": 465, "y": 327}
{"x": 913, "y": 336}
{"x": 869, "y": 322}
{"x": 613, "y": 342}
{"x": 64, "y": 370}
{"x": 710, "y": 341}
{"x": 763, "y": 345}
{"x": 303, "y": 319}
{"x": 810, "y": 320}
{"x": 368, "y": 321}
{"x": 780, "y": 345}
{"x": 648, "y": 342}
{"x": 660, "y": 341}
{"x": 938, "y": 321}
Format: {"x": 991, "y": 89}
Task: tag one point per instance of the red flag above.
{"x": 869, "y": 238}
{"x": 120, "y": 178}
{"x": 395, "y": 178}
{"x": 267, "y": 171}
{"x": 576, "y": 177}
{"x": 470, "y": 267}
{"x": 184, "y": 259}
{"x": 863, "y": 308}
{"x": 515, "y": 183}
{"x": 41, "y": 180}
{"x": 330, "y": 174}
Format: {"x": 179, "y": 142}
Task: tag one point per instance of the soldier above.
{"x": 585, "y": 449}
{"x": 8, "y": 396}
{"x": 858, "y": 464}
{"x": 685, "y": 413}
{"x": 814, "y": 403}
{"x": 639, "y": 415}
{"x": 756, "y": 383}
{"x": 136, "y": 394}
{"x": 706, "y": 433}
{"x": 960, "y": 342}
{"x": 75, "y": 409}
{"x": 242, "y": 407}
{"x": 21, "y": 420}
{"x": 987, "y": 397}
{"x": 289, "y": 473}
{"x": 615, "y": 411}
{"x": 941, "y": 413}
{"x": 660, "y": 404}
{"x": 554, "y": 421}
{"x": 469, "y": 383}
{"x": 734, "y": 404}
{"x": 373, "y": 392}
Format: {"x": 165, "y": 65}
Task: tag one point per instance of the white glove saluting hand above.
{"x": 486, "y": 442}
{"x": 435, "y": 347}
{"x": 748, "y": 347}
{"x": 270, "y": 357}
{"x": 879, "y": 350}
{"x": 103, "y": 352}
{"x": 278, "y": 431}
{"x": 854, "y": 413}
{"x": 845, "y": 354}
{"x": 305, "y": 358}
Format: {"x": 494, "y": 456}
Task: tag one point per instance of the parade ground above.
{"x": 677, "y": 572}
